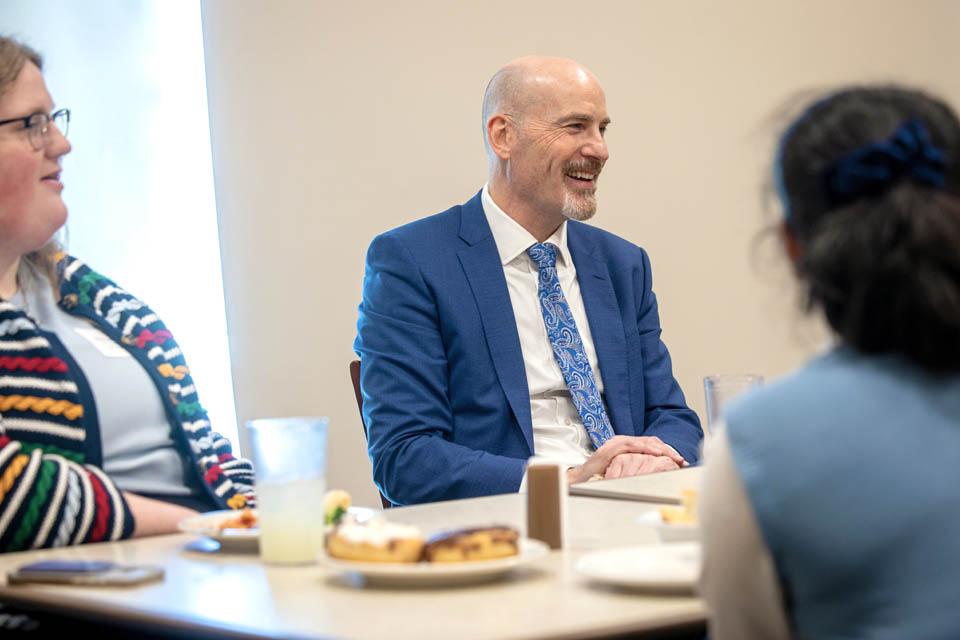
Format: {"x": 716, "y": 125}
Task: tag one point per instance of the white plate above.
{"x": 670, "y": 532}
{"x": 422, "y": 574}
{"x": 658, "y": 567}
{"x": 208, "y": 524}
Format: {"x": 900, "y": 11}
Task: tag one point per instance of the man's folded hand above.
{"x": 635, "y": 464}
{"x": 646, "y": 447}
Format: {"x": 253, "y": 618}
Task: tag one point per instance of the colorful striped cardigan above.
{"x": 52, "y": 489}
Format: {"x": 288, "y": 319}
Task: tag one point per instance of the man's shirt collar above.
{"x": 513, "y": 240}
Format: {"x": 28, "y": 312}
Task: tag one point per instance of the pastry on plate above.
{"x": 375, "y": 541}
{"x": 478, "y": 543}
{"x": 685, "y": 514}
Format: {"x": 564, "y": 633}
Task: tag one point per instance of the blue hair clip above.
{"x": 874, "y": 168}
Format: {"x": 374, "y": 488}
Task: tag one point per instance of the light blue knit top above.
{"x": 139, "y": 452}
{"x": 852, "y": 465}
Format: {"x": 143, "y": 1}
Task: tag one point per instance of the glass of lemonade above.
{"x": 290, "y": 458}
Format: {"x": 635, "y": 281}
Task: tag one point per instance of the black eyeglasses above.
{"x": 37, "y": 126}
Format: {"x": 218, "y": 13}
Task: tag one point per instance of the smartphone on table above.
{"x": 84, "y": 572}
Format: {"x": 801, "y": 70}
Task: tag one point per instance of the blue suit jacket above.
{"x": 445, "y": 395}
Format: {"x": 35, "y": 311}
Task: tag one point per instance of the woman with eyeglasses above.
{"x": 831, "y": 505}
{"x": 102, "y": 436}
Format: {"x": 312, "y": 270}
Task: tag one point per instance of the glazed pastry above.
{"x": 375, "y": 541}
{"x": 465, "y": 545}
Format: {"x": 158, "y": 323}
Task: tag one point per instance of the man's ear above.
{"x": 500, "y": 135}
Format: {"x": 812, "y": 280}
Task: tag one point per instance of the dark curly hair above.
{"x": 882, "y": 260}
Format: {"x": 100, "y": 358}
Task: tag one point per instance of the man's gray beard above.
{"x": 581, "y": 208}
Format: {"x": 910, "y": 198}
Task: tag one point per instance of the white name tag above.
{"x": 102, "y": 343}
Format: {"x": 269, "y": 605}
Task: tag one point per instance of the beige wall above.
{"x": 332, "y": 121}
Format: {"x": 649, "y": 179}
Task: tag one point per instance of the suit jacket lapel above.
{"x": 481, "y": 263}
{"x": 606, "y": 327}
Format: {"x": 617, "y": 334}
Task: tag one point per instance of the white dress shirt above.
{"x": 558, "y": 431}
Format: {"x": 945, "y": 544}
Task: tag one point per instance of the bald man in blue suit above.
{"x": 505, "y": 327}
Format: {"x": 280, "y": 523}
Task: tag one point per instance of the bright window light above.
{"x": 139, "y": 182}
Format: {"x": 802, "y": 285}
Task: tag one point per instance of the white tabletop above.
{"x": 239, "y": 594}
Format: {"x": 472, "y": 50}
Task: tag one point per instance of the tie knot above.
{"x": 544, "y": 255}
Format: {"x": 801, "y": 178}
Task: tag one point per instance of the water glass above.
{"x": 290, "y": 456}
{"x": 720, "y": 389}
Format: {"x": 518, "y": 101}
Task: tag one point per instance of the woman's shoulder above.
{"x": 836, "y": 397}
{"x": 813, "y": 377}
{"x": 801, "y": 402}
{"x": 79, "y": 282}
{"x": 840, "y": 377}
{"x": 70, "y": 268}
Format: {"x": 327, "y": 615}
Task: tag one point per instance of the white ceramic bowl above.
{"x": 670, "y": 532}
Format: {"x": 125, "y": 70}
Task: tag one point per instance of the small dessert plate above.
{"x": 670, "y": 567}
{"x": 433, "y": 574}
{"x": 240, "y": 540}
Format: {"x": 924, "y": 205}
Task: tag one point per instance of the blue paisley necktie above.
{"x": 568, "y": 347}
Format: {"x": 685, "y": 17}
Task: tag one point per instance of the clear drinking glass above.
{"x": 720, "y": 389}
{"x": 290, "y": 459}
